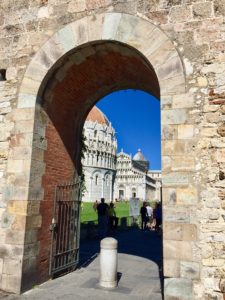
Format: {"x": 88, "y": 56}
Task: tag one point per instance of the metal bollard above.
{"x": 108, "y": 263}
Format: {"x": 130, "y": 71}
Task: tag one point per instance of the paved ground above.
{"x": 139, "y": 262}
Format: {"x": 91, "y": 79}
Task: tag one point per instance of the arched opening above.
{"x": 80, "y": 64}
{"x": 70, "y": 90}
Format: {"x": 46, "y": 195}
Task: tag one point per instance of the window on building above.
{"x": 96, "y": 180}
{"x": 134, "y": 194}
{"x": 121, "y": 194}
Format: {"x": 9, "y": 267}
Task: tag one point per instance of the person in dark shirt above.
{"x": 144, "y": 216}
{"x": 113, "y": 220}
{"x": 158, "y": 217}
{"x": 102, "y": 210}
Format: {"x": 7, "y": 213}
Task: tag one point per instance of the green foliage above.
{"x": 82, "y": 176}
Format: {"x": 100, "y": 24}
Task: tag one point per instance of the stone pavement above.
{"x": 138, "y": 272}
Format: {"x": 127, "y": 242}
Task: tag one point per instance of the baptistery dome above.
{"x": 96, "y": 115}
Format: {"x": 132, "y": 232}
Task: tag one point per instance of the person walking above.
{"x": 102, "y": 210}
{"x": 113, "y": 220}
{"x": 150, "y": 213}
{"x": 144, "y": 216}
{"x": 158, "y": 217}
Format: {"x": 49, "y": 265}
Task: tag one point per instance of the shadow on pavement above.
{"x": 146, "y": 244}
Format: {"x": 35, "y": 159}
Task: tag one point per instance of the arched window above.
{"x": 134, "y": 194}
{"x": 107, "y": 180}
{"x": 96, "y": 179}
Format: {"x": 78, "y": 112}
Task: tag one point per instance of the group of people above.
{"x": 107, "y": 219}
{"x": 151, "y": 217}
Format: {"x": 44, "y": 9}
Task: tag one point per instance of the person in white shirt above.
{"x": 149, "y": 211}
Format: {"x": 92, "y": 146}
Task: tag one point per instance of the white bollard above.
{"x": 108, "y": 263}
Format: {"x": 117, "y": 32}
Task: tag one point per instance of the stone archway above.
{"x": 114, "y": 38}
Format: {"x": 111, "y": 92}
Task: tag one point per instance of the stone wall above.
{"x": 192, "y": 127}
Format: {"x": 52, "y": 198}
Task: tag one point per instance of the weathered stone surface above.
{"x": 185, "y": 131}
{"x": 202, "y": 10}
{"x": 171, "y": 268}
{"x": 187, "y": 196}
{"x": 185, "y": 50}
{"x": 189, "y": 270}
{"x": 178, "y": 288}
{"x": 175, "y": 116}
{"x": 221, "y": 130}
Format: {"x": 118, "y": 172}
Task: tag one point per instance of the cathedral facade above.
{"x": 132, "y": 178}
{"x": 108, "y": 174}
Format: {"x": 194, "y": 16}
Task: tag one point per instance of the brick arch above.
{"x": 140, "y": 34}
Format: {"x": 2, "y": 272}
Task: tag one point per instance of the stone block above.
{"x": 95, "y": 26}
{"x": 189, "y": 232}
{"x": 15, "y": 237}
{"x": 211, "y": 262}
{"x": 178, "y": 289}
{"x": 202, "y": 81}
{"x": 173, "y": 85}
{"x": 110, "y": 25}
{"x": 155, "y": 40}
{"x": 175, "y": 179}
{"x": 77, "y": 6}
{"x": 6, "y": 220}
{"x": 190, "y": 270}
{"x": 172, "y": 231}
{"x": 174, "y": 116}
{"x": 14, "y": 192}
{"x": 34, "y": 221}
{"x": 183, "y": 163}
{"x": 159, "y": 55}
{"x": 31, "y": 250}
{"x": 36, "y": 193}
{"x": 219, "y": 155}
{"x": 183, "y": 101}
{"x": 31, "y": 236}
{"x": 180, "y": 250}
{"x": 12, "y": 267}
{"x": 80, "y": 34}
{"x": 33, "y": 208}
{"x": 166, "y": 163}
{"x": 171, "y": 268}
{"x": 202, "y": 10}
{"x": 11, "y": 283}
{"x": 171, "y": 68}
{"x": 180, "y": 13}
{"x": 169, "y": 132}
{"x": 20, "y": 153}
{"x": 29, "y": 87}
{"x": 209, "y": 132}
{"x": 21, "y": 114}
{"x": 15, "y": 165}
{"x": 19, "y": 223}
{"x": 176, "y": 215}
{"x": 38, "y": 154}
{"x": 24, "y": 126}
{"x": 17, "y": 207}
{"x": 187, "y": 196}
{"x": 169, "y": 196}
{"x": 185, "y": 131}
{"x": 219, "y": 7}
{"x": 173, "y": 147}
{"x": 22, "y": 139}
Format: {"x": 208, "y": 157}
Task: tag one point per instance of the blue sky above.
{"x": 135, "y": 115}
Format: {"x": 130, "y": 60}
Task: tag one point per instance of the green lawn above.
{"x": 88, "y": 213}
